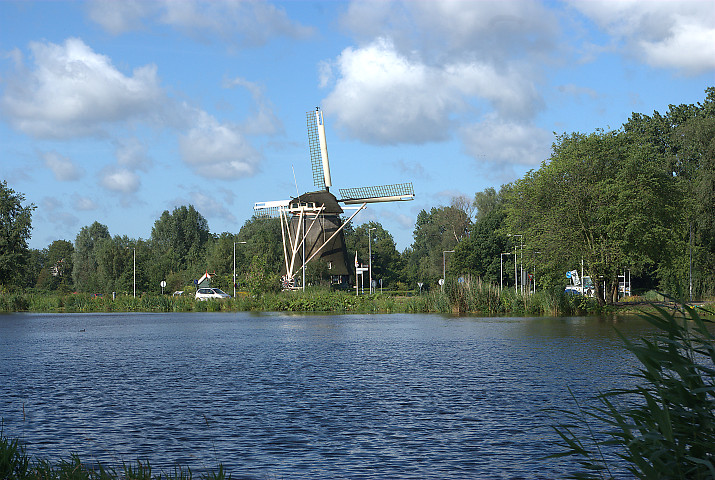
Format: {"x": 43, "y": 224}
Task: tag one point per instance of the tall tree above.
{"x": 480, "y": 254}
{"x": 15, "y": 228}
{"x": 56, "y": 271}
{"x": 386, "y": 260}
{"x": 178, "y": 240}
{"x": 596, "y": 201}
{"x": 435, "y": 232}
{"x": 84, "y": 259}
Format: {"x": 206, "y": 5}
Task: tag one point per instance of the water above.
{"x": 296, "y": 396}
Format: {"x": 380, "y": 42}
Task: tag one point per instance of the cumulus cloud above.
{"x": 245, "y": 23}
{"x": 677, "y": 35}
{"x": 119, "y": 180}
{"x": 216, "y": 150}
{"x": 454, "y": 30}
{"x": 63, "y": 168}
{"x": 503, "y": 142}
{"x": 384, "y": 97}
{"x": 73, "y": 91}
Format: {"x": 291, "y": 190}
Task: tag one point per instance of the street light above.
{"x": 521, "y": 254}
{"x": 444, "y": 266}
{"x": 234, "y": 268}
{"x": 369, "y": 246}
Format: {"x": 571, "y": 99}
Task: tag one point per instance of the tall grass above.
{"x": 470, "y": 297}
{"x": 15, "y": 464}
{"x": 664, "y": 426}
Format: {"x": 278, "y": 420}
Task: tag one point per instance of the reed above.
{"x": 664, "y": 426}
{"x": 470, "y": 297}
{"x": 15, "y": 464}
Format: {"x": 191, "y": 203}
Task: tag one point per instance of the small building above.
{"x": 205, "y": 280}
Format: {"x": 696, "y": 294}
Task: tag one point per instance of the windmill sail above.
{"x": 318, "y": 150}
{"x": 383, "y": 193}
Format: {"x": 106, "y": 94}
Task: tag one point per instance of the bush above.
{"x": 664, "y": 427}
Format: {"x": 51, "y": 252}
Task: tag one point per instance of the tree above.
{"x": 435, "y": 232}
{"x": 480, "y": 254}
{"x": 599, "y": 201}
{"x": 262, "y": 237}
{"x": 15, "y": 228}
{"x": 56, "y": 273}
{"x": 84, "y": 269}
{"x": 386, "y": 260}
{"x": 682, "y": 142}
{"x": 179, "y": 238}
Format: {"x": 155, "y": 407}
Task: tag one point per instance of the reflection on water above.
{"x": 295, "y": 396}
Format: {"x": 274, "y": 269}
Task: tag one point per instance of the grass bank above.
{"x": 469, "y": 298}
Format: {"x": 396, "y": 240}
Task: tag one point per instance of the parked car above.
{"x": 207, "y": 293}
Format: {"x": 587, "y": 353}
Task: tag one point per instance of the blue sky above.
{"x": 116, "y": 111}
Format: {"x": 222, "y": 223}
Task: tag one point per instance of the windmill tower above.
{"x": 311, "y": 223}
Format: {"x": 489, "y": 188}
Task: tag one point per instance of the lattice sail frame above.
{"x": 316, "y": 158}
{"x": 382, "y": 193}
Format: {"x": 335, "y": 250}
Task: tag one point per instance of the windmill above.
{"x": 311, "y": 223}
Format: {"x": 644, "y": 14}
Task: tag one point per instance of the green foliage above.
{"x": 664, "y": 426}
{"x": 386, "y": 260}
{"x": 84, "y": 270}
{"x": 15, "y": 227}
{"x": 15, "y": 464}
{"x": 435, "y": 232}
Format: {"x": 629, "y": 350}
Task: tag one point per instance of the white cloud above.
{"x": 246, "y": 23}
{"x": 131, "y": 153}
{"x": 455, "y": 30}
{"x": 261, "y": 119}
{"x": 210, "y": 207}
{"x": 508, "y": 143}
{"x": 83, "y": 203}
{"x": 63, "y": 168}
{"x": 384, "y": 97}
{"x": 73, "y": 91}
{"x": 118, "y": 17}
{"x": 216, "y": 150}
{"x": 665, "y": 34}
{"x": 119, "y": 180}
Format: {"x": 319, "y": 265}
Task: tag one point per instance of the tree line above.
{"x": 636, "y": 201}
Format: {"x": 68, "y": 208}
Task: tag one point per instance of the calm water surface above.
{"x": 296, "y": 396}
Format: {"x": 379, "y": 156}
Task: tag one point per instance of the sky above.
{"x": 117, "y": 111}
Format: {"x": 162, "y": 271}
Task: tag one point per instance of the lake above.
{"x": 304, "y": 396}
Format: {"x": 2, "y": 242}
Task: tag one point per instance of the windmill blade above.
{"x": 270, "y": 209}
{"x": 318, "y": 149}
{"x": 383, "y": 193}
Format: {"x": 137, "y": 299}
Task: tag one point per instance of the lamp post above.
{"x": 369, "y": 246}
{"x": 444, "y": 266}
{"x": 234, "y": 268}
{"x": 521, "y": 253}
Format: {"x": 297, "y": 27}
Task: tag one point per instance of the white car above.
{"x": 207, "y": 293}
